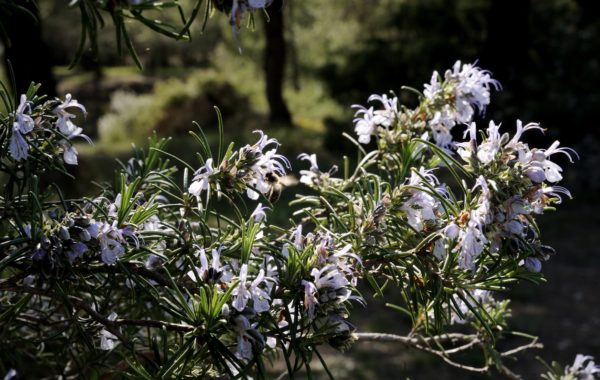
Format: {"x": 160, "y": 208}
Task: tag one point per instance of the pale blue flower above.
{"x": 63, "y": 122}
{"x": 201, "y": 180}
{"x": 108, "y": 340}
{"x": 23, "y": 124}
{"x": 244, "y": 292}
{"x": 583, "y": 368}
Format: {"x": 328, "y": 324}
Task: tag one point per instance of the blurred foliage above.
{"x": 154, "y": 50}
{"x": 546, "y": 56}
{"x": 169, "y": 108}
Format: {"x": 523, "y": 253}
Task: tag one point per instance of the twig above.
{"x": 384, "y": 337}
{"x": 154, "y": 323}
{"x": 423, "y": 344}
{"x": 76, "y": 302}
{"x": 533, "y": 344}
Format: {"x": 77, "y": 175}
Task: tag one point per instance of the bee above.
{"x": 276, "y": 186}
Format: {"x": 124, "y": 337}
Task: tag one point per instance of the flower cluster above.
{"x": 447, "y": 102}
{"x": 252, "y": 168}
{"x": 74, "y": 236}
{"x": 514, "y": 182}
{"x": 583, "y": 368}
{"x": 212, "y": 290}
{"x": 332, "y": 279}
{"x": 314, "y": 176}
{"x": 250, "y": 296}
{"x": 454, "y": 100}
{"x": 368, "y": 120}
{"x": 34, "y": 121}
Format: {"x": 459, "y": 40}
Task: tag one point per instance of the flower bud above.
{"x": 535, "y": 174}
{"x": 451, "y": 231}
{"x": 225, "y": 310}
{"x": 85, "y": 235}
{"x": 64, "y": 233}
{"x": 533, "y": 264}
{"x": 514, "y": 227}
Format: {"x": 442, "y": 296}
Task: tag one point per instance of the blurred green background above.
{"x": 546, "y": 54}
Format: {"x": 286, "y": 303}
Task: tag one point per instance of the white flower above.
{"x": 215, "y": 269}
{"x": 201, "y": 179}
{"x": 239, "y": 7}
{"x": 467, "y": 85}
{"x": 471, "y": 242}
{"x": 385, "y": 117}
{"x": 314, "y": 176}
{"x": 341, "y": 260}
{"x": 468, "y": 148}
{"x": 365, "y": 125}
{"x": 483, "y": 297}
{"x": 263, "y": 141}
{"x": 482, "y": 214}
{"x": 242, "y": 293}
{"x": 152, "y": 262}
{"x": 367, "y": 120}
{"x": 110, "y": 239}
{"x": 433, "y": 89}
{"x": 514, "y": 227}
{"x": 108, "y": 340}
{"x": 533, "y": 264}
{"x": 515, "y": 143}
{"x": 331, "y": 278}
{"x": 11, "y": 374}
{"x": 259, "y": 214}
{"x": 246, "y": 334}
{"x": 539, "y": 160}
{"x": 308, "y": 177}
{"x": 77, "y": 249}
{"x": 421, "y": 206}
{"x": 450, "y": 232}
{"x": 297, "y": 239}
{"x": 540, "y": 197}
{"x": 471, "y": 89}
{"x": 441, "y": 126}
{"x": 490, "y": 147}
{"x": 266, "y": 166}
{"x": 310, "y": 299}
{"x": 583, "y": 368}
{"x": 63, "y": 122}
{"x": 22, "y": 125}
{"x": 271, "y": 273}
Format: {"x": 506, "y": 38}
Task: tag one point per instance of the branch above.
{"x": 384, "y": 337}
{"x": 424, "y": 344}
{"x": 110, "y": 325}
{"x": 533, "y": 344}
{"x": 76, "y": 302}
{"x": 154, "y": 323}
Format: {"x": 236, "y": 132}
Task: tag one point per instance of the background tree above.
{"x": 275, "y": 63}
{"x": 25, "y": 49}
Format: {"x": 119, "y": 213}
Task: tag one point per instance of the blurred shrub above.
{"x": 170, "y": 108}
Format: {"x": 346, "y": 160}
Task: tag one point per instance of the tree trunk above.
{"x": 275, "y": 57}
{"x": 28, "y": 54}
